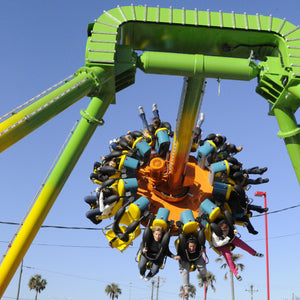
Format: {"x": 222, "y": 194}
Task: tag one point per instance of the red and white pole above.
{"x": 259, "y": 194}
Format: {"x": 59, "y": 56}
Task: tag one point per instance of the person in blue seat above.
{"x": 103, "y": 175}
{"x": 156, "y": 122}
{"x": 115, "y": 145}
{"x": 143, "y": 115}
{"x": 101, "y": 204}
{"x": 191, "y": 257}
{"x": 237, "y": 203}
{"x": 154, "y": 249}
{"x": 241, "y": 176}
{"x": 218, "y": 140}
{"x": 255, "y": 170}
{"x": 227, "y": 150}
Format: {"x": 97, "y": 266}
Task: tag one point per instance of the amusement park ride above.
{"x": 169, "y": 185}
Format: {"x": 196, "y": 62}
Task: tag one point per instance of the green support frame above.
{"x": 152, "y": 38}
{"x": 117, "y": 34}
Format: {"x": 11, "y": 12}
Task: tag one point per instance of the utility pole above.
{"x": 157, "y": 287}
{"x": 152, "y": 282}
{"x": 232, "y": 285}
{"x": 130, "y": 289}
{"x": 159, "y": 280}
{"x": 20, "y": 276}
{"x": 251, "y": 291}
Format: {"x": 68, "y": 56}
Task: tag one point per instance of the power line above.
{"x": 97, "y": 229}
{"x": 277, "y": 211}
{"x": 70, "y": 246}
{"x": 131, "y": 247}
{"x": 7, "y": 297}
{"x": 57, "y": 226}
{"x": 65, "y": 274}
{"x": 107, "y": 247}
{"x": 134, "y": 286}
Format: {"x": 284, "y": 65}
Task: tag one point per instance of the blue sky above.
{"x": 43, "y": 42}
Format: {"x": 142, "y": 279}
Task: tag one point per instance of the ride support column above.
{"x": 53, "y": 186}
{"x": 188, "y": 112}
{"x": 290, "y": 132}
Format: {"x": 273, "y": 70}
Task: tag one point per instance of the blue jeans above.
{"x": 144, "y": 120}
{"x": 186, "y": 265}
{"x": 142, "y": 266}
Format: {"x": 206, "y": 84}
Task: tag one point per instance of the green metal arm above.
{"x": 52, "y": 188}
{"x": 198, "y": 65}
{"x": 87, "y": 81}
{"x": 207, "y": 42}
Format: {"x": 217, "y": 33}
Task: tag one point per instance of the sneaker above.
{"x": 141, "y": 110}
{"x": 147, "y": 278}
{"x": 154, "y": 106}
{"x": 142, "y": 276}
{"x": 263, "y": 170}
{"x": 204, "y": 279}
{"x": 258, "y": 254}
{"x": 238, "y": 277}
{"x": 253, "y": 231}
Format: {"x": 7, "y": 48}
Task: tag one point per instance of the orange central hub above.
{"x": 157, "y": 168}
{"x": 153, "y": 184}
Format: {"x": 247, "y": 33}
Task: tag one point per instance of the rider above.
{"x": 222, "y": 241}
{"x": 189, "y": 257}
{"x": 153, "y": 250}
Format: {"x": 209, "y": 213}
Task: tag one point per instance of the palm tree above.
{"x": 37, "y": 283}
{"x": 224, "y": 265}
{"x": 192, "y": 292}
{"x": 113, "y": 291}
{"x": 210, "y": 279}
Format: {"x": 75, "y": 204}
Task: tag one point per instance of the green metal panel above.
{"x": 194, "y": 32}
{"x": 197, "y": 65}
{"x": 185, "y": 31}
{"x": 273, "y": 41}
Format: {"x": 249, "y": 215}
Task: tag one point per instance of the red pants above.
{"x": 225, "y": 250}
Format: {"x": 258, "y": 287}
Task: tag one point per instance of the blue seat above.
{"x": 131, "y": 164}
{"x": 161, "y": 219}
{"x": 220, "y": 166}
{"x": 188, "y": 221}
{"x": 143, "y": 149}
{"x": 222, "y": 189}
{"x": 162, "y": 143}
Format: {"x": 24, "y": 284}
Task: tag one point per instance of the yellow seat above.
{"x": 190, "y": 227}
{"x": 160, "y": 223}
{"x": 133, "y": 213}
{"x": 119, "y": 244}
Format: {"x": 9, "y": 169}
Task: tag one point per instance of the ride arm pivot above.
{"x": 282, "y": 91}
